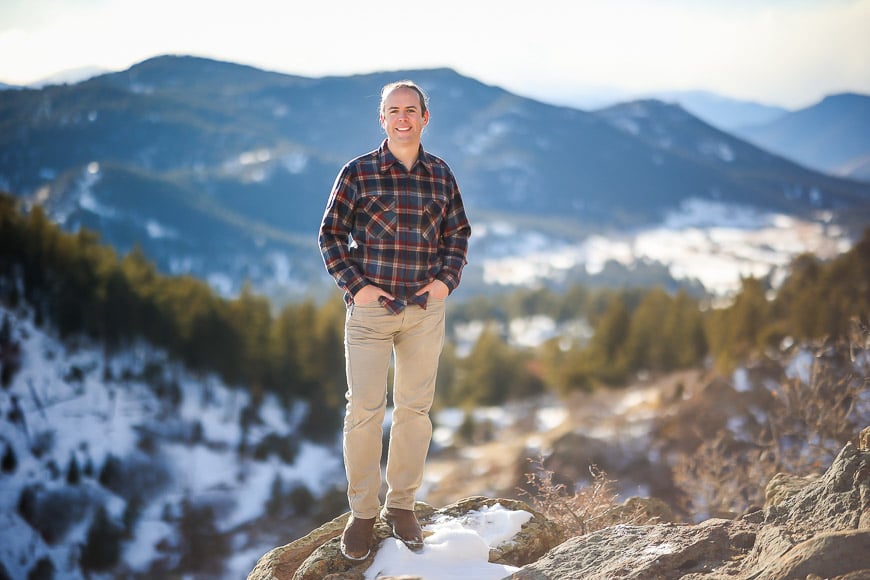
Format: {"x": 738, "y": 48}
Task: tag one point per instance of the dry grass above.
{"x": 808, "y": 424}
{"x": 584, "y": 510}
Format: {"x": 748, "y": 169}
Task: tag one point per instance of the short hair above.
{"x": 406, "y": 84}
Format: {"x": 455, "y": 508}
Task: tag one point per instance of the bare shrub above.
{"x": 723, "y": 477}
{"x": 812, "y": 421}
{"x": 584, "y": 510}
{"x": 808, "y": 424}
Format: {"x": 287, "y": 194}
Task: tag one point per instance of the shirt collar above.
{"x": 386, "y": 159}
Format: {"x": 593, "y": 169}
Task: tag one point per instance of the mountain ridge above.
{"x": 830, "y": 136}
{"x": 260, "y": 149}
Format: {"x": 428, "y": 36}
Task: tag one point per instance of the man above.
{"x": 394, "y": 236}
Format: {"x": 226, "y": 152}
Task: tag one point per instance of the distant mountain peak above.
{"x": 831, "y": 136}
{"x": 69, "y": 76}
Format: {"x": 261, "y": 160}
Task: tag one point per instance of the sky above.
{"x": 788, "y": 53}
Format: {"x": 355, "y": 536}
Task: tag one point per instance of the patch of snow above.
{"x": 256, "y": 156}
{"x": 659, "y": 550}
{"x": 718, "y": 150}
{"x": 626, "y": 125}
{"x": 702, "y": 213}
{"x": 281, "y": 268}
{"x": 141, "y": 89}
{"x": 157, "y": 231}
{"x": 295, "y": 162}
{"x": 466, "y": 334}
{"x": 531, "y": 331}
{"x": 222, "y": 283}
{"x": 481, "y": 141}
{"x": 550, "y": 417}
{"x": 453, "y": 548}
{"x": 801, "y": 367}
{"x": 740, "y": 380}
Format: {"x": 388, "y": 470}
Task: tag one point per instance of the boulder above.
{"x": 818, "y": 528}
{"x": 317, "y": 556}
{"x": 783, "y": 486}
{"x": 662, "y": 551}
{"x": 282, "y": 562}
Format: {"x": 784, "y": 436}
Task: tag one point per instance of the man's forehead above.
{"x": 402, "y": 96}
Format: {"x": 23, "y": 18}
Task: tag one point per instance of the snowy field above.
{"x": 707, "y": 241}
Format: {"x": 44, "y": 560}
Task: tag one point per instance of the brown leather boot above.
{"x": 356, "y": 540}
{"x": 405, "y": 526}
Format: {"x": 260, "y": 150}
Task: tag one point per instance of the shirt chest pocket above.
{"x": 431, "y": 217}
{"x": 379, "y": 216}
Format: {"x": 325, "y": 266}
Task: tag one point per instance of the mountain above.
{"x": 723, "y": 112}
{"x": 222, "y": 170}
{"x": 831, "y": 136}
{"x": 69, "y": 76}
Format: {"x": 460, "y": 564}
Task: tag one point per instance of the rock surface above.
{"x": 810, "y": 528}
{"x": 819, "y": 528}
{"x": 317, "y": 555}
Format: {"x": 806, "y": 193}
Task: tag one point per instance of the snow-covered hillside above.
{"x": 711, "y": 242}
{"x": 151, "y": 444}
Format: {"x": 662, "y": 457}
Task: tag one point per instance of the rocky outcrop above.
{"x": 643, "y": 552}
{"x": 815, "y": 527}
{"x": 317, "y": 555}
{"x": 810, "y": 528}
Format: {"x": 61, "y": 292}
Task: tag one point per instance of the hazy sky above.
{"x": 783, "y": 52}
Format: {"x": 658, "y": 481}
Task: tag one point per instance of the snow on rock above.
{"x": 456, "y": 547}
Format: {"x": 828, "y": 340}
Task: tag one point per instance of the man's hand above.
{"x": 436, "y": 289}
{"x": 370, "y": 293}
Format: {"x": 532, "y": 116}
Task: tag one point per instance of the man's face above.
{"x": 402, "y": 117}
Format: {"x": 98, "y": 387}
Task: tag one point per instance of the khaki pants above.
{"x": 372, "y": 335}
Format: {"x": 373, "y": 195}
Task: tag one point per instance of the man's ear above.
{"x": 425, "y": 118}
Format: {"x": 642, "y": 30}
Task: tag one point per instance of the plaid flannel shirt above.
{"x": 394, "y": 228}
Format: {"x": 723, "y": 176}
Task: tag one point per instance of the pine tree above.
{"x": 102, "y": 549}
{"x": 111, "y": 474}
{"x": 43, "y": 569}
{"x": 73, "y": 473}
{"x": 203, "y": 547}
{"x": 9, "y": 463}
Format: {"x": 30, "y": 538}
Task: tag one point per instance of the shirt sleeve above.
{"x": 455, "y": 232}
{"x": 334, "y": 237}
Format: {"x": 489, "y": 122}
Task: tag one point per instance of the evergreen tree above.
{"x": 132, "y": 512}
{"x": 275, "y": 503}
{"x": 737, "y": 331}
{"x": 606, "y": 358}
{"x": 43, "y": 570}
{"x": 102, "y": 549}
{"x": 73, "y": 473}
{"x": 9, "y": 462}
{"x": 202, "y": 547}
{"x": 111, "y": 474}
{"x": 645, "y": 344}
{"x": 494, "y": 372}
